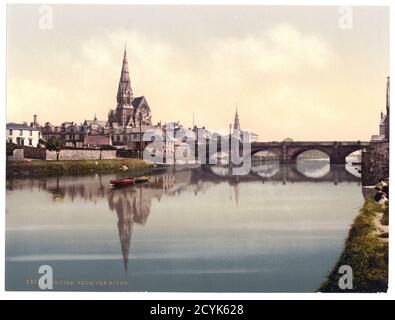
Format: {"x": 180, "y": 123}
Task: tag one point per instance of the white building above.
{"x": 22, "y": 134}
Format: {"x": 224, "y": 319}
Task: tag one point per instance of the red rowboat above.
{"x": 122, "y": 182}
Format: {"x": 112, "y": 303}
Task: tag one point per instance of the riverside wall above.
{"x": 375, "y": 163}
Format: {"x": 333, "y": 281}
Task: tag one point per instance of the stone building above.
{"x": 375, "y": 158}
{"x": 124, "y": 128}
{"x": 384, "y": 133}
{"x": 130, "y": 111}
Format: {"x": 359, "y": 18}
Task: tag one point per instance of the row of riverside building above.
{"x": 124, "y": 128}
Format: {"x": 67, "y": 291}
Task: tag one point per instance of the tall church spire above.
{"x": 236, "y": 125}
{"x": 125, "y": 94}
{"x": 388, "y": 94}
{"x": 387, "y": 116}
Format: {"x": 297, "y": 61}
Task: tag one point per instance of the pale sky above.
{"x": 291, "y": 71}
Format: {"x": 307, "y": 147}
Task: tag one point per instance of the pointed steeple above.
{"x": 236, "y": 125}
{"x": 388, "y": 94}
{"x": 125, "y": 94}
{"x": 387, "y": 116}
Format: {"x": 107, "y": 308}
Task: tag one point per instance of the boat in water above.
{"x": 141, "y": 179}
{"x": 122, "y": 182}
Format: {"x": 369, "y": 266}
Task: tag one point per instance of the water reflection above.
{"x": 303, "y": 171}
{"x": 133, "y": 205}
{"x": 314, "y": 168}
{"x": 266, "y": 169}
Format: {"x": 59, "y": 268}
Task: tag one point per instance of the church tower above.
{"x": 387, "y": 116}
{"x": 236, "y": 125}
{"x": 130, "y": 111}
{"x": 125, "y": 94}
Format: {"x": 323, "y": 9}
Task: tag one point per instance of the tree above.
{"x": 54, "y": 144}
{"x": 41, "y": 143}
{"x": 10, "y": 148}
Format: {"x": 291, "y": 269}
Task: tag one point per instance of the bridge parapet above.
{"x": 288, "y": 151}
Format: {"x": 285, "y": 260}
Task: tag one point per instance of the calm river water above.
{"x": 279, "y": 229}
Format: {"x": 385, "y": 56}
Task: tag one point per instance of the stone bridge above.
{"x": 287, "y": 152}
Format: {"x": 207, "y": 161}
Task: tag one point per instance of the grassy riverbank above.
{"x": 365, "y": 252}
{"x": 42, "y": 168}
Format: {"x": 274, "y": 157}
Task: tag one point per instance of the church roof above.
{"x": 18, "y": 126}
{"x": 136, "y": 101}
{"x": 98, "y": 122}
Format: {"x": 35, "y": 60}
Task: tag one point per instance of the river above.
{"x": 279, "y": 229}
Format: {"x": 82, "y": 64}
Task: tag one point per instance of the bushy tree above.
{"x": 54, "y": 144}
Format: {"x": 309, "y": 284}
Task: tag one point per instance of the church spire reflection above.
{"x": 133, "y": 205}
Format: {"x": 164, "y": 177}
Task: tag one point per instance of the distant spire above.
{"x": 236, "y": 125}
{"x": 125, "y": 94}
{"x": 388, "y": 94}
{"x": 94, "y": 118}
{"x": 387, "y": 116}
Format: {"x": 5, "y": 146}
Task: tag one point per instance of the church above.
{"x": 130, "y": 111}
{"x": 127, "y": 123}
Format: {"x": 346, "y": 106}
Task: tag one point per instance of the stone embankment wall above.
{"x": 34, "y": 153}
{"x": 82, "y": 155}
{"x": 17, "y": 155}
{"x": 375, "y": 163}
{"x": 72, "y": 154}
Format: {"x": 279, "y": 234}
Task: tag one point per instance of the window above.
{"x": 20, "y": 132}
{"x": 10, "y": 132}
{"x": 30, "y": 132}
{"x": 20, "y": 141}
{"x": 10, "y": 140}
{"x": 30, "y": 142}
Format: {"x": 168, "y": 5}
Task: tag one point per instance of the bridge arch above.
{"x": 348, "y": 153}
{"x": 294, "y": 154}
{"x": 269, "y": 150}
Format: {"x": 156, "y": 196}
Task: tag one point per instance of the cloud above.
{"x": 279, "y": 51}
{"x": 25, "y": 95}
{"x": 260, "y": 72}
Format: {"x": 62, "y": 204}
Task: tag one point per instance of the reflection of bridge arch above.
{"x": 267, "y": 169}
{"x": 286, "y": 173}
{"x": 222, "y": 171}
{"x": 287, "y": 152}
{"x": 313, "y": 168}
